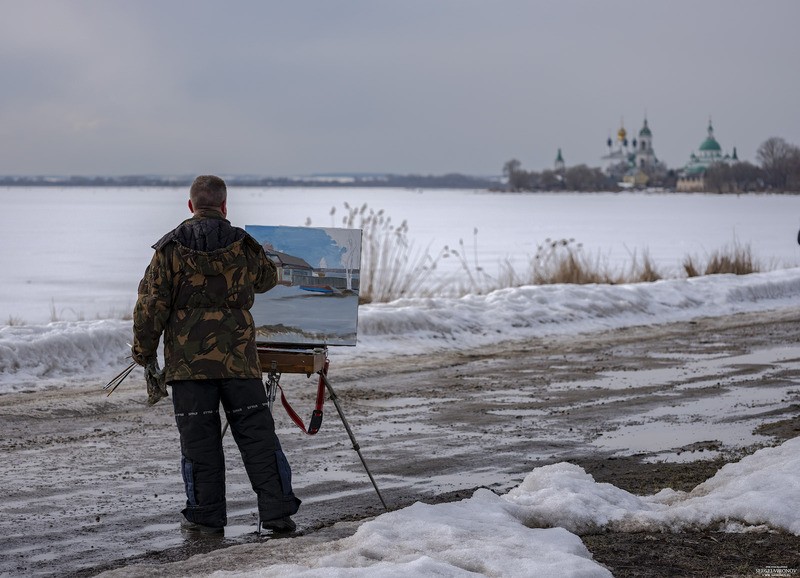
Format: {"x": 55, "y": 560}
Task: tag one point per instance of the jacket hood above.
{"x": 207, "y": 243}
{"x": 210, "y": 262}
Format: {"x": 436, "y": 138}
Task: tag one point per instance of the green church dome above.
{"x": 710, "y": 144}
{"x": 645, "y": 130}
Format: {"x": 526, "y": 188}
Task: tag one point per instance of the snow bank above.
{"x": 36, "y": 356}
{"x": 761, "y": 489}
{"x": 474, "y": 537}
{"x": 528, "y": 311}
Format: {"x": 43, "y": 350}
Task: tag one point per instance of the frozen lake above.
{"x": 78, "y": 253}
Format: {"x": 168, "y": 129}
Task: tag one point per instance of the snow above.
{"x": 478, "y": 536}
{"x": 530, "y": 530}
{"x": 40, "y": 356}
{"x": 746, "y": 492}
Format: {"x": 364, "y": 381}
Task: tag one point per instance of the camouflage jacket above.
{"x": 197, "y": 291}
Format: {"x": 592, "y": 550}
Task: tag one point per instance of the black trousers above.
{"x": 196, "y": 405}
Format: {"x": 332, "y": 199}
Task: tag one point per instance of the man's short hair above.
{"x": 208, "y": 192}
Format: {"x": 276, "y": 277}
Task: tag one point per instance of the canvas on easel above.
{"x": 314, "y": 305}
{"x": 315, "y": 302}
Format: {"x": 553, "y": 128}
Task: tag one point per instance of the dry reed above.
{"x": 393, "y": 268}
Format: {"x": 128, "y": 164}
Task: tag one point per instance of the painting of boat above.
{"x": 310, "y": 262}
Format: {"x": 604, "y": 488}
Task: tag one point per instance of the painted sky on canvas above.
{"x": 287, "y": 88}
{"x": 315, "y": 245}
{"x": 290, "y": 314}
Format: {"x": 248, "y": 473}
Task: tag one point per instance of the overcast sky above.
{"x": 115, "y": 87}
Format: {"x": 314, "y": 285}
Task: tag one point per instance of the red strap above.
{"x": 316, "y": 415}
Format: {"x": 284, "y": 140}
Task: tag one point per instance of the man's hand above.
{"x": 156, "y": 386}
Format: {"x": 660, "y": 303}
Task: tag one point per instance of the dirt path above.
{"x": 92, "y": 483}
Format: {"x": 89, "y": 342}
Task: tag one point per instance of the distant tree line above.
{"x": 93, "y": 181}
{"x": 448, "y": 181}
{"x": 778, "y": 170}
{"x": 577, "y": 178}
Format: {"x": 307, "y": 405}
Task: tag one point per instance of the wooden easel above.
{"x": 278, "y": 359}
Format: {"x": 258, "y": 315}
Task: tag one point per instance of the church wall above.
{"x": 690, "y": 185}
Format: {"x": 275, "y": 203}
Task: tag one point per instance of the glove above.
{"x": 156, "y": 386}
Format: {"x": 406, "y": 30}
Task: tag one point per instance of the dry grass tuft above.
{"x": 392, "y": 268}
{"x": 733, "y": 260}
{"x": 564, "y": 261}
{"x": 644, "y": 272}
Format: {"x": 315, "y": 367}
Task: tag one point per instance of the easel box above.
{"x": 280, "y": 360}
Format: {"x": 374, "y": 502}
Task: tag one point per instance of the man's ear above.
{"x": 191, "y": 208}
{"x": 224, "y": 208}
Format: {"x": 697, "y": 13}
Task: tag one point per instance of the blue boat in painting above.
{"x": 323, "y": 289}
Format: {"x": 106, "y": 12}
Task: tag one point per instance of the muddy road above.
{"x": 92, "y": 483}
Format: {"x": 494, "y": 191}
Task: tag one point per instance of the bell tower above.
{"x": 645, "y": 157}
{"x": 559, "y": 165}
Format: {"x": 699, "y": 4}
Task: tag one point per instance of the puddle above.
{"x": 519, "y": 412}
{"x": 462, "y": 481}
{"x": 716, "y": 368}
{"x": 737, "y": 401}
{"x": 509, "y": 396}
{"x": 662, "y": 436}
{"x": 683, "y": 356}
{"x": 683, "y": 457}
{"x": 727, "y": 417}
{"x": 615, "y": 380}
{"x": 665, "y": 429}
{"x": 401, "y": 402}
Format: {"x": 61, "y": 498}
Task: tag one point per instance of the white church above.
{"x": 634, "y": 162}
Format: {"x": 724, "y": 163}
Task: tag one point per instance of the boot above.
{"x": 201, "y": 528}
{"x": 280, "y": 525}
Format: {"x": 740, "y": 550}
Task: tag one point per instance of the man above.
{"x": 197, "y": 291}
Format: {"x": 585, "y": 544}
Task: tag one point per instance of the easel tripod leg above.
{"x": 356, "y": 447}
